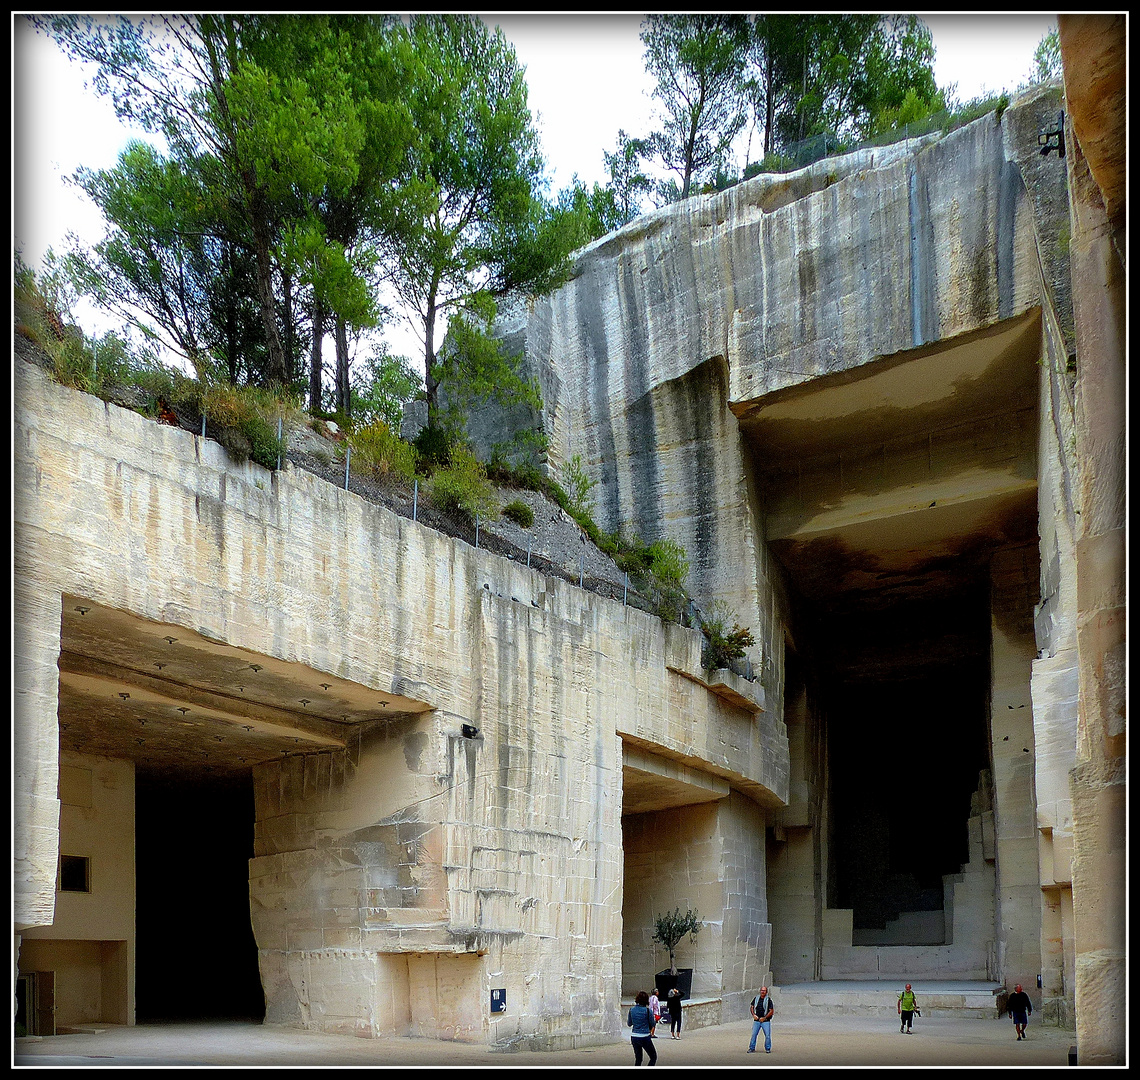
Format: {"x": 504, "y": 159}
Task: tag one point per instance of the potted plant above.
{"x": 668, "y": 929}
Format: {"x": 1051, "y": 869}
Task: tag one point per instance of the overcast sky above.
{"x": 586, "y": 79}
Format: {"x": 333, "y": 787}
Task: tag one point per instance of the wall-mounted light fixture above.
{"x": 1053, "y": 140}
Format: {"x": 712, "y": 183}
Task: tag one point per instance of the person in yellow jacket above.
{"x": 908, "y": 1008}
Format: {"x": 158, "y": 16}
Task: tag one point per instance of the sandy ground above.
{"x": 825, "y": 1042}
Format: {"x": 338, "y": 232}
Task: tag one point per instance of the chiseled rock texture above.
{"x": 1093, "y": 51}
{"x": 671, "y": 326}
{"x": 398, "y": 881}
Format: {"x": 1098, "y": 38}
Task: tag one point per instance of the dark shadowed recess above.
{"x": 196, "y": 956}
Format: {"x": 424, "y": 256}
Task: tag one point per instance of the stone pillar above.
{"x": 1054, "y": 731}
{"x": 746, "y": 928}
{"x": 36, "y": 749}
{"x": 1092, "y": 51}
{"x": 793, "y": 884}
{"x": 1018, "y": 908}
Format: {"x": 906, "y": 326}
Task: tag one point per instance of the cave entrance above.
{"x": 906, "y": 706}
{"x": 900, "y": 499}
{"x": 160, "y": 728}
{"x": 196, "y": 958}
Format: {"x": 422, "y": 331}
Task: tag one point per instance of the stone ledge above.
{"x": 730, "y": 687}
{"x": 696, "y": 1012}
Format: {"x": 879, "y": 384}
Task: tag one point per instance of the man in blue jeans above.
{"x": 762, "y": 1018}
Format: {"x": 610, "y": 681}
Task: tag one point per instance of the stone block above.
{"x": 838, "y": 924}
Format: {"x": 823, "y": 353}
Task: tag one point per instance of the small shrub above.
{"x": 433, "y": 447}
{"x": 668, "y": 563}
{"x": 670, "y": 603}
{"x": 577, "y": 486}
{"x": 246, "y": 421}
{"x": 376, "y": 451}
{"x": 555, "y": 490}
{"x": 519, "y": 513}
{"x": 527, "y": 475}
{"x": 722, "y": 645}
{"x": 777, "y": 163}
{"x": 668, "y": 568}
{"x": 463, "y": 487}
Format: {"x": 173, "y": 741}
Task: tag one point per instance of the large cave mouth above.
{"x": 891, "y": 490}
{"x": 906, "y": 701}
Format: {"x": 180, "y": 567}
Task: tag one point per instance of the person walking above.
{"x": 673, "y": 1004}
{"x": 1019, "y": 1007}
{"x": 908, "y": 1009}
{"x": 640, "y": 1020}
{"x": 655, "y": 1008}
{"x": 762, "y": 1011}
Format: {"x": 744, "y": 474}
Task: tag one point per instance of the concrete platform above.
{"x": 879, "y": 999}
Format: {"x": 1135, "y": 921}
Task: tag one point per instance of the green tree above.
{"x": 382, "y": 386}
{"x": 273, "y": 106}
{"x": 670, "y": 928}
{"x": 1047, "y": 58}
{"x": 588, "y": 213}
{"x": 837, "y": 74}
{"x": 473, "y": 178}
{"x": 534, "y": 249}
{"x": 288, "y": 128}
{"x": 628, "y": 181}
{"x": 698, "y": 62}
{"x": 341, "y": 256}
{"x": 152, "y": 260}
{"x": 773, "y": 38}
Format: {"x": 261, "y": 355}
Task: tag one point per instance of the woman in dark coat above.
{"x": 674, "y": 1003}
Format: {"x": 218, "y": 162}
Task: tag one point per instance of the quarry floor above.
{"x": 835, "y": 1041}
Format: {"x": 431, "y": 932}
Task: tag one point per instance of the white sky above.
{"x": 586, "y": 80}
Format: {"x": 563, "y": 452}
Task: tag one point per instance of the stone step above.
{"x": 880, "y": 999}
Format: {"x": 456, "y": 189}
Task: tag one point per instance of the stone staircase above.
{"x": 910, "y": 928}
{"x": 878, "y": 999}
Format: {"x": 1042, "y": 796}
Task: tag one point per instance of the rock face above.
{"x": 849, "y": 393}
{"x": 434, "y": 734}
{"x": 1093, "y": 51}
{"x": 674, "y": 327}
{"x": 862, "y": 400}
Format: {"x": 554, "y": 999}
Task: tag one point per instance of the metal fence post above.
{"x": 581, "y": 568}
{"x": 279, "y": 444}
{"x": 625, "y": 591}
{"x": 347, "y": 459}
{"x": 415, "y": 496}
{"x": 476, "y": 530}
{"x": 203, "y": 425}
{"x": 529, "y": 541}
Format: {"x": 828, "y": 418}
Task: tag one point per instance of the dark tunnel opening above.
{"x": 196, "y": 954}
{"x": 908, "y": 744}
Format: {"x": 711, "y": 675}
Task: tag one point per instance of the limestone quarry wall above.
{"x": 1094, "y": 51}
{"x": 500, "y": 855}
{"x": 671, "y": 326}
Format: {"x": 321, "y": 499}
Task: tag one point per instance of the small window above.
{"x": 74, "y": 873}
